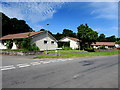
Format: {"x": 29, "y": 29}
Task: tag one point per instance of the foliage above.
{"x": 67, "y": 32}
{"x": 26, "y": 44}
{"x": 102, "y": 47}
{"x": 33, "y": 48}
{"x": 90, "y": 49}
{"x": 67, "y": 48}
{"x": 111, "y": 39}
{"x": 86, "y": 34}
{"x": 118, "y": 42}
{"x": 63, "y": 44}
{"x": 13, "y": 26}
{"x": 9, "y": 44}
{"x": 101, "y": 38}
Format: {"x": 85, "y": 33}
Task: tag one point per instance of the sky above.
{"x": 100, "y": 16}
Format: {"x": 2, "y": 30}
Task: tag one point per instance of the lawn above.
{"x": 13, "y": 50}
{"x": 64, "y": 51}
{"x": 89, "y": 54}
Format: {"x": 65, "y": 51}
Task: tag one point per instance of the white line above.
{"x": 23, "y": 65}
{"x": 8, "y": 68}
{"x": 35, "y": 63}
{"x": 46, "y": 62}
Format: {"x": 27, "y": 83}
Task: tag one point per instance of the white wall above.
{"x": 14, "y": 46}
{"x": 2, "y": 46}
{"x": 73, "y": 44}
{"x": 117, "y": 45}
{"x": 39, "y": 41}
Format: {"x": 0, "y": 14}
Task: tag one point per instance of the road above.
{"x": 94, "y": 72}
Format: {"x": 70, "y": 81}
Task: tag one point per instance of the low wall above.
{"x": 20, "y": 53}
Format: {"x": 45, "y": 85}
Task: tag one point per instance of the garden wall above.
{"x": 21, "y": 53}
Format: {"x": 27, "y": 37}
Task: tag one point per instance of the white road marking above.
{"x": 7, "y": 67}
{"x": 23, "y": 65}
{"x": 35, "y": 63}
{"x": 32, "y": 63}
{"x": 75, "y": 76}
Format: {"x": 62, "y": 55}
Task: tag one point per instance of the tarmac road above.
{"x": 94, "y": 72}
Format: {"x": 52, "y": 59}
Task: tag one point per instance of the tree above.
{"x": 58, "y": 36}
{"x": 13, "y": 25}
{"x": 102, "y": 38}
{"x": 111, "y": 39}
{"x": 87, "y": 35}
{"x": 67, "y": 32}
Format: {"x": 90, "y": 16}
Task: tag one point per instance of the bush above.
{"x": 9, "y": 44}
{"x": 91, "y": 49}
{"x": 102, "y": 47}
{"x": 33, "y": 48}
{"x": 67, "y": 48}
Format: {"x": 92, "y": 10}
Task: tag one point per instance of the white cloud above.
{"x": 107, "y": 10}
{"x": 31, "y": 11}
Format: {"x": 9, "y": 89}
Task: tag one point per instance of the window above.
{"x": 52, "y": 42}
{"x": 45, "y": 41}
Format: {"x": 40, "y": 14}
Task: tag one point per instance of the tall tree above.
{"x": 13, "y": 26}
{"x": 111, "y": 39}
{"x": 67, "y": 32}
{"x": 87, "y": 35}
{"x": 102, "y": 38}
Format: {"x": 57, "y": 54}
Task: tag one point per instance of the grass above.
{"x": 64, "y": 51}
{"x": 13, "y": 49}
{"x": 89, "y": 54}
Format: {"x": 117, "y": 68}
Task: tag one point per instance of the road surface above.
{"x": 94, "y": 72}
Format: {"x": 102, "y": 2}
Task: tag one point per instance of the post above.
{"x": 47, "y": 43}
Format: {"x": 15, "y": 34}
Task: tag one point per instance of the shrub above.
{"x": 33, "y": 48}
{"x": 9, "y": 44}
{"x": 26, "y": 43}
{"x": 90, "y": 49}
{"x": 102, "y": 47}
{"x": 67, "y": 48}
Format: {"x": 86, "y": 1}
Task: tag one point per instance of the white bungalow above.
{"x": 42, "y": 39}
{"x": 108, "y": 45}
{"x": 74, "y": 42}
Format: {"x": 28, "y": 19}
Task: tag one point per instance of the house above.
{"x": 42, "y": 39}
{"x": 74, "y": 42}
{"x": 108, "y": 45}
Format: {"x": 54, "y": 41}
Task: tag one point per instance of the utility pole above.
{"x": 47, "y": 41}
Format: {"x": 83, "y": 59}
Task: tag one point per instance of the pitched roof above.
{"x": 104, "y": 43}
{"x": 20, "y": 35}
{"x": 75, "y": 39}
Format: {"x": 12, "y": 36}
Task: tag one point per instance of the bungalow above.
{"x": 74, "y": 42}
{"x": 42, "y": 39}
{"x": 109, "y": 45}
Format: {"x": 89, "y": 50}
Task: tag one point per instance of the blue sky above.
{"x": 100, "y": 16}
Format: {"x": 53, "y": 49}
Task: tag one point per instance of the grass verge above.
{"x": 64, "y": 51}
{"x": 89, "y": 54}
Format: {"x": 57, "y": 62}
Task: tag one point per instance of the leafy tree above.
{"x": 111, "y": 39}
{"x": 87, "y": 35}
{"x": 67, "y": 32}
{"x": 13, "y": 25}
{"x": 58, "y": 36}
{"x": 102, "y": 38}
